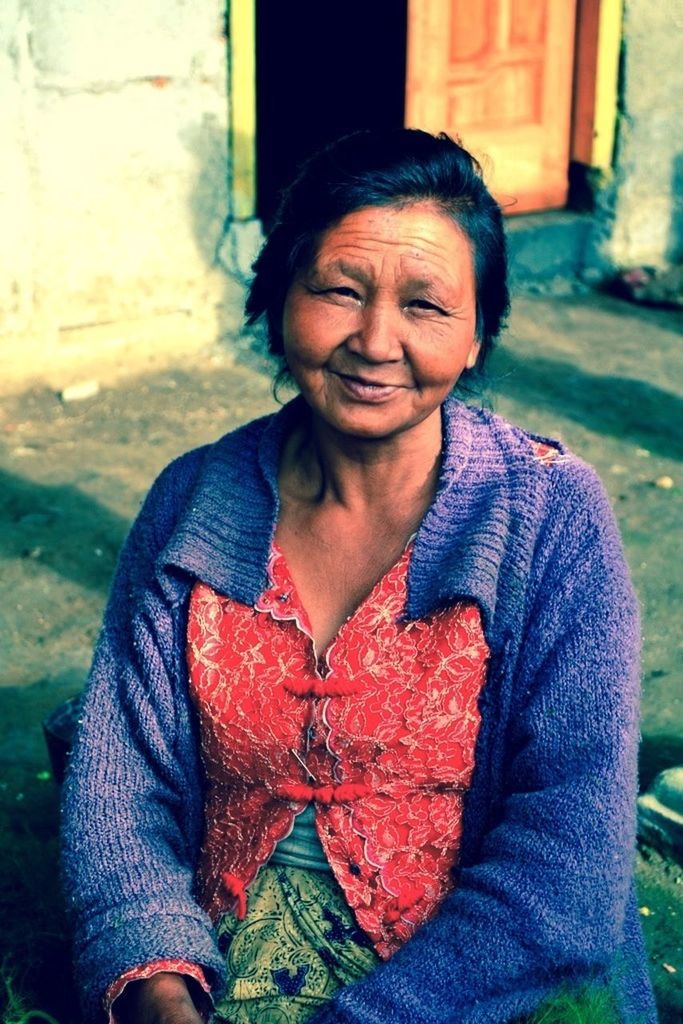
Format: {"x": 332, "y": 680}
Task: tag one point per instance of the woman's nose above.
{"x": 379, "y": 335}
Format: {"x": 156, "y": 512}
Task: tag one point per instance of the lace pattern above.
{"x": 382, "y": 739}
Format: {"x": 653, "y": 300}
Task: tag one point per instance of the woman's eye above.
{"x": 344, "y": 292}
{"x": 426, "y": 304}
{"x": 335, "y": 291}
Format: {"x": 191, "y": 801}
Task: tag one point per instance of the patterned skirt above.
{"x": 298, "y": 944}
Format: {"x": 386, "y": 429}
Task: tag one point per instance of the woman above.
{"x": 364, "y": 707}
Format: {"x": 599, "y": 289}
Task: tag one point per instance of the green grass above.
{"x": 590, "y": 1005}
{"x": 15, "y": 1011}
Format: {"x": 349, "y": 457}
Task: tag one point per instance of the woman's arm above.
{"x": 162, "y": 999}
{"x": 544, "y": 904}
{"x": 132, "y": 802}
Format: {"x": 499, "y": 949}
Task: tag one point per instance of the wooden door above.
{"x": 498, "y": 74}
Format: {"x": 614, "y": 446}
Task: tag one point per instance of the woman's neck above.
{"x": 322, "y": 467}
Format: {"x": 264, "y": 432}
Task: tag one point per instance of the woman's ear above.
{"x": 473, "y": 354}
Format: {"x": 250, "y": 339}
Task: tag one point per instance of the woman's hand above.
{"x": 162, "y": 999}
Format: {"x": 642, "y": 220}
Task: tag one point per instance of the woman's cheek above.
{"x": 311, "y": 329}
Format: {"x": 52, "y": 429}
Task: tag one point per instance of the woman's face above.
{"x": 380, "y": 326}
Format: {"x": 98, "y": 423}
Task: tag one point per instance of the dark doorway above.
{"x": 323, "y": 69}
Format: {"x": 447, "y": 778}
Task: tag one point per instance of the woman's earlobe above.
{"x": 473, "y": 356}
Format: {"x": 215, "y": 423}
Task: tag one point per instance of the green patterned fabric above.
{"x": 298, "y": 944}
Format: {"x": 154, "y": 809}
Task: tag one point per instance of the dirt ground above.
{"x": 605, "y": 376}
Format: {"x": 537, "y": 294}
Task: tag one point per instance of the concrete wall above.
{"x": 648, "y": 224}
{"x": 113, "y": 177}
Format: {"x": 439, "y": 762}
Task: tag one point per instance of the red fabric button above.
{"x": 234, "y": 887}
{"x": 341, "y": 794}
{"x": 322, "y": 687}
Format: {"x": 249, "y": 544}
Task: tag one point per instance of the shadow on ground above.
{"x": 626, "y": 408}
{"x": 86, "y": 554}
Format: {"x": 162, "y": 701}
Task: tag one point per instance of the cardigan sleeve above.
{"x": 543, "y": 904}
{"x": 131, "y": 814}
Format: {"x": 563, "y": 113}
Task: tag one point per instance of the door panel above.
{"x": 498, "y": 74}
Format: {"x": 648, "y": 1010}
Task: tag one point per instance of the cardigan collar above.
{"x": 225, "y": 532}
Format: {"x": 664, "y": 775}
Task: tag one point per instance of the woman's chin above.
{"x": 373, "y": 421}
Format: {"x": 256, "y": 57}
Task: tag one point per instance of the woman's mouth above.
{"x": 365, "y": 390}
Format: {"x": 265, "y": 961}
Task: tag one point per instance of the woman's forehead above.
{"x": 419, "y": 238}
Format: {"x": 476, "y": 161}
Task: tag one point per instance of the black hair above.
{"x": 393, "y": 167}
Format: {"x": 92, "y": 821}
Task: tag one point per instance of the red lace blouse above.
{"x": 379, "y": 732}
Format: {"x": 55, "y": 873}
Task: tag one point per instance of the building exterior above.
{"x": 143, "y": 145}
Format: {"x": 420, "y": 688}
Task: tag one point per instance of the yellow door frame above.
{"x": 596, "y": 80}
{"x": 241, "y": 20}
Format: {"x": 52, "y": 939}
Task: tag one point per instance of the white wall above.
{"x": 648, "y": 226}
{"x": 113, "y": 173}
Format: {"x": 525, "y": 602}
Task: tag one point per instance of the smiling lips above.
{"x": 364, "y": 388}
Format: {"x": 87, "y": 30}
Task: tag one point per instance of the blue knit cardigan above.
{"x": 544, "y": 893}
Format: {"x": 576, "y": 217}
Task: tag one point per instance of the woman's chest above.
{"x": 399, "y": 696}
{"x": 332, "y": 577}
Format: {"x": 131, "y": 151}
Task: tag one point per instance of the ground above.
{"x": 603, "y": 375}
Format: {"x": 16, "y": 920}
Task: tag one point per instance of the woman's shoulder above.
{"x": 562, "y": 533}
{"x": 540, "y": 478}
{"x": 510, "y": 441}
{"x": 520, "y": 449}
